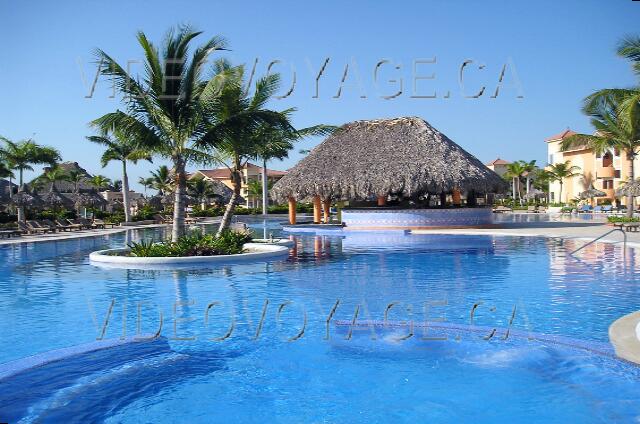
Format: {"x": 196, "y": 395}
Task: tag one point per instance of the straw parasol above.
{"x": 534, "y": 193}
{"x": 592, "y": 192}
{"x": 402, "y": 156}
{"x": 88, "y": 199}
{"x": 632, "y": 188}
{"x": 24, "y": 199}
{"x": 54, "y": 199}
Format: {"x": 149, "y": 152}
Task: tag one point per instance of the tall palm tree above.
{"x": 275, "y": 142}
{"x": 52, "y": 175}
{"x": 120, "y": 148}
{"x": 616, "y": 128}
{"x": 529, "y": 169}
{"x": 234, "y": 117}
{"x": 5, "y": 172}
{"x": 560, "y": 171}
{"x": 164, "y": 110}
{"x": 515, "y": 171}
{"x": 201, "y": 190}
{"x": 21, "y": 155}
{"x": 100, "y": 182}
{"x": 145, "y": 183}
{"x": 161, "y": 180}
{"x": 76, "y": 177}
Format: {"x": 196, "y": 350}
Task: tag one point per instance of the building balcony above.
{"x": 605, "y": 172}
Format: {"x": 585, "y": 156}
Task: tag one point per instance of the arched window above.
{"x": 607, "y": 160}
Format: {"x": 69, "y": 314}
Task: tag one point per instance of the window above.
{"x": 598, "y": 155}
{"x": 551, "y": 159}
{"x": 617, "y": 173}
{"x": 607, "y": 160}
{"x": 616, "y": 151}
{"x": 607, "y": 184}
{"x": 553, "y": 196}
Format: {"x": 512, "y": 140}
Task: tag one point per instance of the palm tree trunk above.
{"x": 630, "y": 156}
{"x": 177, "y": 230}
{"x": 21, "y": 217}
{"x": 265, "y": 199}
{"x": 236, "y": 180}
{"x": 513, "y": 189}
{"x": 125, "y": 192}
{"x": 560, "y": 193}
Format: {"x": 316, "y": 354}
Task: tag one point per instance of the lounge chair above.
{"x": 502, "y": 209}
{"x": 607, "y": 208}
{"x": 35, "y": 227}
{"x": 531, "y": 209}
{"x": 98, "y": 223}
{"x": 542, "y": 209}
{"x": 162, "y": 219}
{"x": 55, "y": 226}
{"x": 66, "y": 225}
{"x": 628, "y": 226}
{"x": 585, "y": 209}
{"x": 597, "y": 209}
{"x": 10, "y": 233}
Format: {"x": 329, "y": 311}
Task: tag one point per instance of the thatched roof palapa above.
{"x": 592, "y": 192}
{"x": 402, "y": 156}
{"x": 632, "y": 188}
{"x": 24, "y": 199}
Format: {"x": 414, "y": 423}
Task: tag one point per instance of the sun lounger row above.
{"x": 43, "y": 226}
{"x": 597, "y": 209}
{"x": 628, "y": 226}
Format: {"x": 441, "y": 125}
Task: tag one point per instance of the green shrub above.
{"x": 193, "y": 244}
{"x": 145, "y": 213}
{"x": 616, "y": 219}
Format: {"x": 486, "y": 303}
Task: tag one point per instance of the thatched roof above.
{"x": 53, "y": 198}
{"x": 402, "y": 156}
{"x": 88, "y": 199}
{"x": 221, "y": 192}
{"x": 5, "y": 190}
{"x": 592, "y": 192}
{"x": 24, "y": 199}
{"x": 69, "y": 186}
{"x": 632, "y": 188}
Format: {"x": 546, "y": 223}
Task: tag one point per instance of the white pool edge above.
{"x": 624, "y": 335}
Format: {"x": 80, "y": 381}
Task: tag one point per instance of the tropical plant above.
{"x": 514, "y": 172}
{"x": 164, "y": 110}
{"x": 76, "y": 177}
{"x": 161, "y": 180}
{"x": 100, "y": 182}
{"x": 21, "y": 155}
{"x": 145, "y": 183}
{"x": 120, "y": 147}
{"x": 193, "y": 244}
{"x": 561, "y": 170}
{"x": 52, "y": 175}
{"x": 529, "y": 170}
{"x": 201, "y": 190}
{"x": 275, "y": 142}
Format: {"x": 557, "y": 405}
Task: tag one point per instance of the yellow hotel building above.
{"x": 605, "y": 171}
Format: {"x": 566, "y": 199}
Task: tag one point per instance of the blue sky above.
{"x": 561, "y": 51}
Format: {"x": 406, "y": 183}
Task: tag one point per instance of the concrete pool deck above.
{"x": 569, "y": 230}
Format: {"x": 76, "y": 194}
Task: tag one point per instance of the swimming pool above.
{"x": 51, "y": 298}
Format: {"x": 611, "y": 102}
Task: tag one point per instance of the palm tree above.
{"x": 560, "y": 171}
{"x": 615, "y": 114}
{"x": 515, "y": 171}
{"x": 52, "y": 175}
{"x": 164, "y": 110}
{"x": 161, "y": 180}
{"x": 145, "y": 183}
{"x": 529, "y": 168}
{"x": 21, "y": 155}
{"x": 100, "y": 182}
{"x": 201, "y": 190}
{"x": 274, "y": 142}
{"x": 76, "y": 177}
{"x": 121, "y": 148}
{"x": 5, "y": 172}
{"x": 255, "y": 192}
{"x": 234, "y": 119}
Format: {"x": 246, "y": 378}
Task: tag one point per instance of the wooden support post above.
{"x": 326, "y": 206}
{"x": 317, "y": 211}
{"x": 456, "y": 199}
{"x": 292, "y": 211}
{"x": 382, "y": 200}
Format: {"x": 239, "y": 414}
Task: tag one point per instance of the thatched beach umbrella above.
{"x": 592, "y": 192}
{"x": 534, "y": 193}
{"x": 25, "y": 199}
{"x": 632, "y": 188}
{"x": 403, "y": 156}
{"x": 54, "y": 199}
{"x": 89, "y": 199}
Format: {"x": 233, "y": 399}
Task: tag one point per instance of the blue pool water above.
{"x": 52, "y": 298}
